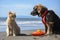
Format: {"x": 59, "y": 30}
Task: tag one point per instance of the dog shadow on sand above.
{"x": 23, "y": 34}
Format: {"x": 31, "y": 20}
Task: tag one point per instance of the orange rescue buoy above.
{"x": 38, "y": 33}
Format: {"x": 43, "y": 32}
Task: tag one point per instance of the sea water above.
{"x": 23, "y": 23}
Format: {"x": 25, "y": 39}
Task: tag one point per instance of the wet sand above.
{"x": 25, "y": 35}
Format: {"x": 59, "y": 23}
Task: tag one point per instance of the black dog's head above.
{"x": 38, "y": 10}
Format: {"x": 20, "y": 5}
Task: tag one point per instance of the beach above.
{"x": 27, "y": 26}
{"x": 26, "y": 35}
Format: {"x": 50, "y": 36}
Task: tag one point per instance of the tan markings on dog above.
{"x": 39, "y": 8}
{"x": 48, "y": 29}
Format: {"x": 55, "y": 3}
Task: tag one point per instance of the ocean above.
{"x": 24, "y": 24}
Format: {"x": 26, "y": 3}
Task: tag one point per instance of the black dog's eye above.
{"x": 35, "y": 12}
{"x": 34, "y": 9}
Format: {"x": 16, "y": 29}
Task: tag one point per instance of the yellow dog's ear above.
{"x": 10, "y": 12}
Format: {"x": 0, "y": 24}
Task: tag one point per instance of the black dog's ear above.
{"x": 43, "y": 9}
{"x": 35, "y": 7}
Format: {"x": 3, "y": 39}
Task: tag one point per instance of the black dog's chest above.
{"x": 51, "y": 16}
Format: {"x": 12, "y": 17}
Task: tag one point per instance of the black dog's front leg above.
{"x": 49, "y": 27}
{"x": 45, "y": 29}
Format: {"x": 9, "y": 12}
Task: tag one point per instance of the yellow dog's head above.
{"x": 38, "y": 10}
{"x": 11, "y": 15}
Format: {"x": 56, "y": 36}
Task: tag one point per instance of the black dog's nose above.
{"x": 31, "y": 13}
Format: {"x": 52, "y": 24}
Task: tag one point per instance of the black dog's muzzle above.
{"x": 34, "y": 13}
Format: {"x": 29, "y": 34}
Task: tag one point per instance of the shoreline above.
{"x": 28, "y": 36}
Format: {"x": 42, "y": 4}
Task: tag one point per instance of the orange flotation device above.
{"x": 38, "y": 33}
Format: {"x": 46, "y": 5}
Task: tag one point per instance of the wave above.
{"x": 28, "y": 22}
{"x": 22, "y": 22}
{"x": 24, "y": 25}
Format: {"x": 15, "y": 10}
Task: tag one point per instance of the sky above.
{"x": 23, "y": 8}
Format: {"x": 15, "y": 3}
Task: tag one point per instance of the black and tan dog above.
{"x": 49, "y": 18}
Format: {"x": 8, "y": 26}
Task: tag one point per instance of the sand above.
{"x": 25, "y": 35}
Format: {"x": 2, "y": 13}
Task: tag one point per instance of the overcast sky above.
{"x": 24, "y": 7}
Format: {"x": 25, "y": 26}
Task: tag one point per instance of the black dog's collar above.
{"x": 44, "y": 14}
{"x": 44, "y": 17}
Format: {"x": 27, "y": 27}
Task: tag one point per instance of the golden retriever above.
{"x": 12, "y": 27}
